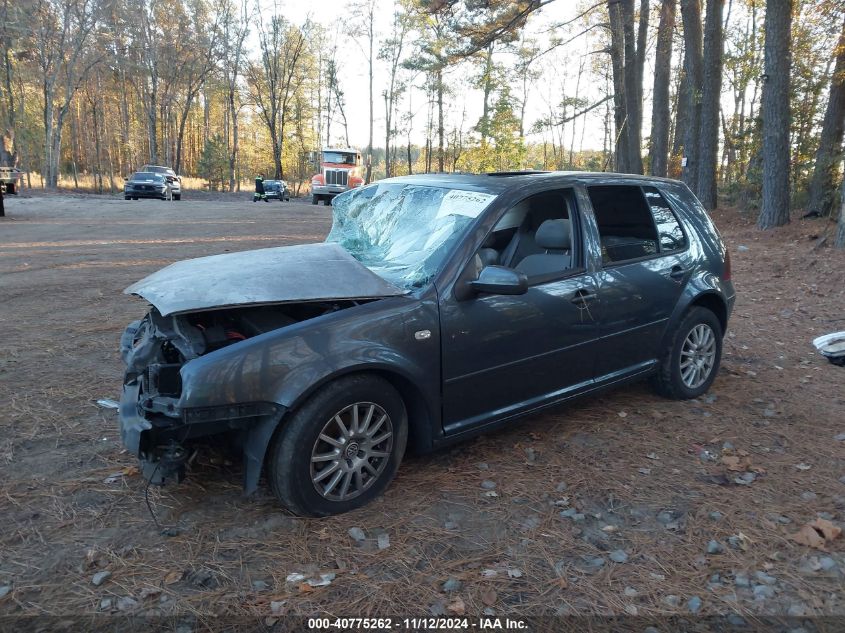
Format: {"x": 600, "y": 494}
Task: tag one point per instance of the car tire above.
{"x": 291, "y": 470}
{"x": 127, "y": 197}
{"x": 690, "y": 364}
{"x": 177, "y": 196}
{"x": 315, "y": 199}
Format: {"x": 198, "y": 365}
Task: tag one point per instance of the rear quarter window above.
{"x": 670, "y": 235}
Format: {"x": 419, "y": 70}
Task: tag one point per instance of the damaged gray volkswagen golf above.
{"x": 439, "y": 307}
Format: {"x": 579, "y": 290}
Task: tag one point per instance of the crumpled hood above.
{"x": 307, "y": 272}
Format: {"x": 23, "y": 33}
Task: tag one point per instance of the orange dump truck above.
{"x": 340, "y": 170}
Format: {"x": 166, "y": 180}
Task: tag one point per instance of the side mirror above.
{"x": 500, "y": 280}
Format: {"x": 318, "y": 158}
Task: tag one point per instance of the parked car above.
{"x": 276, "y": 190}
{"x": 173, "y": 179}
{"x": 146, "y": 184}
{"x": 439, "y": 307}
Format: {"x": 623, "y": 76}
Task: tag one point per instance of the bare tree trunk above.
{"x": 387, "y": 125}
{"x": 659, "y": 153}
{"x": 617, "y": 61}
{"x": 369, "y": 174}
{"x": 829, "y": 153}
{"x": 441, "y": 157}
{"x": 8, "y": 149}
{"x": 694, "y": 62}
{"x": 839, "y": 240}
{"x": 487, "y": 90}
{"x": 775, "y": 113}
{"x": 682, "y": 101}
{"x": 711, "y": 93}
{"x": 633, "y": 90}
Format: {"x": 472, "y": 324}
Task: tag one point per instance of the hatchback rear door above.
{"x": 645, "y": 266}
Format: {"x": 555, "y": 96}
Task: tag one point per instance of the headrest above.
{"x": 553, "y": 234}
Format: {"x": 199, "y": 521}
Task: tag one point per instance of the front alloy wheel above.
{"x": 351, "y": 451}
{"x": 340, "y": 449}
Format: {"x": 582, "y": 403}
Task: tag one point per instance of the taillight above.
{"x": 726, "y": 273}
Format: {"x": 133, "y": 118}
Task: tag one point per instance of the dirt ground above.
{"x": 621, "y": 504}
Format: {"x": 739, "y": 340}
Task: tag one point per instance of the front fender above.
{"x": 280, "y": 366}
{"x": 285, "y": 366}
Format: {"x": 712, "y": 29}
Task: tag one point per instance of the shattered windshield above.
{"x": 403, "y": 232}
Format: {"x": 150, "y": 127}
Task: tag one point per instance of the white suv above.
{"x": 174, "y": 180}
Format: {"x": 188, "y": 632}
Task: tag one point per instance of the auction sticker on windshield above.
{"x": 467, "y": 203}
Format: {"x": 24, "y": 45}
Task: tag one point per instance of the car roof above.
{"x": 499, "y": 182}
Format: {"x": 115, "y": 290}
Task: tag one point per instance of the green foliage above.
{"x": 214, "y": 162}
{"x": 505, "y": 149}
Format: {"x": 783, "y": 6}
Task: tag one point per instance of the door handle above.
{"x": 678, "y": 272}
{"x": 582, "y": 295}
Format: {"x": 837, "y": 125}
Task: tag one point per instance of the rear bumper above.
{"x": 730, "y": 298}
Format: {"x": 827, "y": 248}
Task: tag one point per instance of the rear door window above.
{"x": 625, "y": 223}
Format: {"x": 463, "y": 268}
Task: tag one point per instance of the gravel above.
{"x": 100, "y": 577}
{"x": 619, "y": 556}
{"x": 827, "y": 563}
{"x": 715, "y": 547}
{"x": 488, "y": 485}
{"x": 763, "y": 592}
{"x": 453, "y": 584}
{"x": 716, "y": 515}
{"x": 357, "y": 534}
{"x": 672, "y": 600}
{"x": 694, "y": 604}
{"x": 796, "y": 610}
{"x": 126, "y": 603}
{"x": 572, "y": 513}
{"x": 765, "y": 578}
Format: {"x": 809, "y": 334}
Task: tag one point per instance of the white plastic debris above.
{"x": 108, "y": 403}
{"x": 832, "y": 347}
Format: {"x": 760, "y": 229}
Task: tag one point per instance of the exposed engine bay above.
{"x": 156, "y": 347}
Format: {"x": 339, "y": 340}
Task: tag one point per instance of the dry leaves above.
{"x": 173, "y": 577}
{"x": 488, "y": 596}
{"x": 457, "y": 606}
{"x": 817, "y": 534}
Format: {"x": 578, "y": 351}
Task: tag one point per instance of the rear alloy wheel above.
{"x": 690, "y": 365}
{"x": 341, "y": 449}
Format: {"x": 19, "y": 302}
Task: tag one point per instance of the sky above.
{"x": 559, "y": 68}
